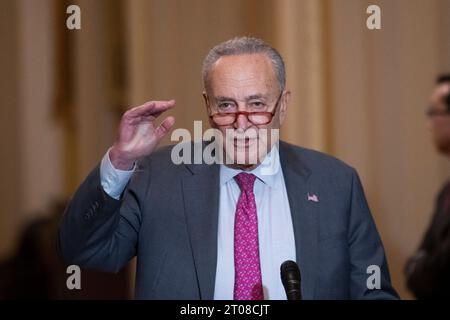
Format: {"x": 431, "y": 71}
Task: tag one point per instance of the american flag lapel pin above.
{"x": 313, "y": 197}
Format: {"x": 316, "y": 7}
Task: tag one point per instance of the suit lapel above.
{"x": 304, "y": 217}
{"x": 201, "y": 204}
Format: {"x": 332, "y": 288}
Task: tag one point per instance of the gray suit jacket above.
{"x": 168, "y": 217}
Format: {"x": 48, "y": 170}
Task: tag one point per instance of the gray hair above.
{"x": 244, "y": 45}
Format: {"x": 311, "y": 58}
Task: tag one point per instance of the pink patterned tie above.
{"x": 247, "y": 268}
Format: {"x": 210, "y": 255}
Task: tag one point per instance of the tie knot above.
{"x": 245, "y": 181}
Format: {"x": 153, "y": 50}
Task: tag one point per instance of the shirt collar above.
{"x": 268, "y": 171}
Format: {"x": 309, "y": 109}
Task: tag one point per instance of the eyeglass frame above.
{"x": 246, "y": 113}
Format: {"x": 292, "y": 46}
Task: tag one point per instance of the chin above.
{"x": 241, "y": 152}
{"x": 243, "y": 156}
{"x": 246, "y": 152}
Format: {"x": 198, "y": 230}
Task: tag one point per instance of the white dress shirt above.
{"x": 275, "y": 229}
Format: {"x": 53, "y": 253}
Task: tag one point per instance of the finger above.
{"x": 146, "y": 118}
{"x": 153, "y": 114}
{"x": 149, "y": 108}
{"x": 164, "y": 127}
{"x": 159, "y": 107}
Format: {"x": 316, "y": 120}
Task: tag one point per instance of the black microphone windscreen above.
{"x": 290, "y": 277}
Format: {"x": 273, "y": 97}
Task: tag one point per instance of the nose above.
{"x": 241, "y": 122}
{"x": 241, "y": 119}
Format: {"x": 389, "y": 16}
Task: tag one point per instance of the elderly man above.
{"x": 428, "y": 271}
{"x": 222, "y": 230}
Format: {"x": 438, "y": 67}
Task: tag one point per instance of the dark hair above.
{"x": 445, "y": 78}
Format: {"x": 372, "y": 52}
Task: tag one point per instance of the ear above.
{"x": 284, "y": 104}
{"x": 208, "y": 107}
{"x": 206, "y": 100}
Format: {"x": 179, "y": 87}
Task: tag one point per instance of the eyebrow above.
{"x": 250, "y": 97}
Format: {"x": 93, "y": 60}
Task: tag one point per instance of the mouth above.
{"x": 245, "y": 142}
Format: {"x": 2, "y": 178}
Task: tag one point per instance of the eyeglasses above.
{"x": 433, "y": 112}
{"x": 257, "y": 118}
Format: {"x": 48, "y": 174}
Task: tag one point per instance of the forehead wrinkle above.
{"x": 251, "y": 86}
{"x": 237, "y": 77}
{"x": 237, "y": 82}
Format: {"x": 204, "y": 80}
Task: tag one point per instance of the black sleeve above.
{"x": 100, "y": 232}
{"x": 427, "y": 270}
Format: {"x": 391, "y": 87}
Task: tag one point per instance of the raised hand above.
{"x": 138, "y": 136}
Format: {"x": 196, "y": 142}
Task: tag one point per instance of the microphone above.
{"x": 290, "y": 276}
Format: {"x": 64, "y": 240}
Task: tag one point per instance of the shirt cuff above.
{"x": 113, "y": 180}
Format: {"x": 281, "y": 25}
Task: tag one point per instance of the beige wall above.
{"x": 10, "y": 173}
{"x": 39, "y": 133}
{"x": 380, "y": 83}
{"x": 357, "y": 94}
{"x": 31, "y": 139}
